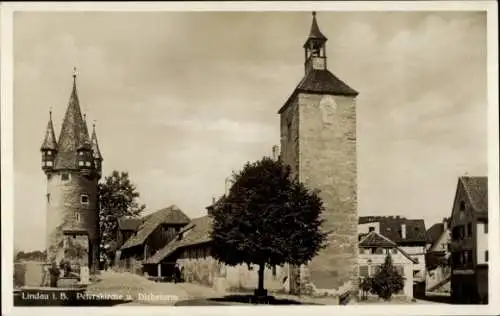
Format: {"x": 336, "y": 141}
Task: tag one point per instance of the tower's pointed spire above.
{"x": 315, "y": 33}
{"x": 74, "y": 133}
{"x": 95, "y": 145}
{"x": 49, "y": 143}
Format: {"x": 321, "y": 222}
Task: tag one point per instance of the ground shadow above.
{"x": 436, "y": 298}
{"x": 240, "y": 299}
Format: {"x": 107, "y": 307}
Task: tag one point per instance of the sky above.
{"x": 180, "y": 99}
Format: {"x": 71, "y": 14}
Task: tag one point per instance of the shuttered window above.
{"x": 363, "y": 271}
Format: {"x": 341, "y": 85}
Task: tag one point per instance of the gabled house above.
{"x": 408, "y": 234}
{"x": 126, "y": 228}
{"x": 439, "y": 236}
{"x": 469, "y": 241}
{"x": 154, "y": 232}
{"x": 191, "y": 250}
{"x": 373, "y": 249}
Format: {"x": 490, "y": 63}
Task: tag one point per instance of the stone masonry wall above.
{"x": 63, "y": 205}
{"x": 328, "y": 162}
{"x": 210, "y": 272}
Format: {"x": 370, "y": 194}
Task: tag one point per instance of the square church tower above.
{"x": 318, "y": 142}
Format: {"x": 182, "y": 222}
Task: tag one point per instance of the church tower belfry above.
{"x": 318, "y": 142}
{"x": 315, "y": 48}
{"x": 73, "y": 173}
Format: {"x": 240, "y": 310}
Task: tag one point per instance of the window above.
{"x": 49, "y": 163}
{"x": 81, "y": 153}
{"x": 84, "y": 199}
{"x": 49, "y": 153}
{"x": 462, "y": 206}
{"x": 469, "y": 229}
{"x": 486, "y": 256}
{"x": 485, "y": 228}
{"x": 65, "y": 177}
{"x": 48, "y": 197}
{"x": 87, "y": 163}
{"x": 363, "y": 271}
{"x": 394, "y": 250}
{"x": 274, "y": 271}
{"x": 81, "y": 163}
{"x": 371, "y": 229}
{"x": 77, "y": 217}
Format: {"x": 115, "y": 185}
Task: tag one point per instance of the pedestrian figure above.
{"x": 53, "y": 274}
{"x": 177, "y": 273}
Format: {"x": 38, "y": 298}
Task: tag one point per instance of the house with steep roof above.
{"x": 191, "y": 251}
{"x": 439, "y": 236}
{"x": 153, "y": 232}
{"x": 373, "y": 249}
{"x": 409, "y": 234}
{"x": 469, "y": 241}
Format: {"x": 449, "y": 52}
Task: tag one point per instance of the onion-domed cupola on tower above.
{"x": 96, "y": 152}
{"x": 49, "y": 146}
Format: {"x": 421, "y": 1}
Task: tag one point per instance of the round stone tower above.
{"x": 73, "y": 168}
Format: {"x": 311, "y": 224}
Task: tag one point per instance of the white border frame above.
{"x": 7, "y": 10}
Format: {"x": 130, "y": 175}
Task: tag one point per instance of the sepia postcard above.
{"x": 328, "y": 157}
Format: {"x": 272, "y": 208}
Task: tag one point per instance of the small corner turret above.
{"x": 96, "y": 153}
{"x": 49, "y": 147}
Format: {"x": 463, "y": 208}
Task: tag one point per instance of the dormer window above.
{"x": 84, "y": 199}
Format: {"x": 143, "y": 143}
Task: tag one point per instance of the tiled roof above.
{"x": 315, "y": 32}
{"x": 126, "y": 223}
{"x": 321, "y": 81}
{"x": 95, "y": 145}
{"x": 435, "y": 232}
{"x": 74, "y": 134}
{"x": 391, "y": 227}
{"x": 171, "y": 215}
{"x": 477, "y": 190}
{"x": 49, "y": 142}
{"x": 374, "y": 239}
{"x": 197, "y": 232}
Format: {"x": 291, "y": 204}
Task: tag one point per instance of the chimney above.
{"x": 445, "y": 224}
{"x": 276, "y": 153}
{"x": 403, "y": 231}
{"x": 213, "y": 199}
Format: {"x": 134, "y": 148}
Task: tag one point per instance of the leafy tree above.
{"x": 387, "y": 281}
{"x": 267, "y": 219}
{"x": 118, "y": 197}
{"x": 434, "y": 260}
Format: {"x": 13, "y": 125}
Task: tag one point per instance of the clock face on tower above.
{"x": 327, "y": 106}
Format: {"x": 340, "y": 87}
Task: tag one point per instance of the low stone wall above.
{"x": 210, "y": 272}
{"x": 28, "y": 273}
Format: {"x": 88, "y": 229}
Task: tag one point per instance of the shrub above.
{"x": 387, "y": 281}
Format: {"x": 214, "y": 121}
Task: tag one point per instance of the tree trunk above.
{"x": 261, "y": 278}
{"x": 261, "y": 292}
